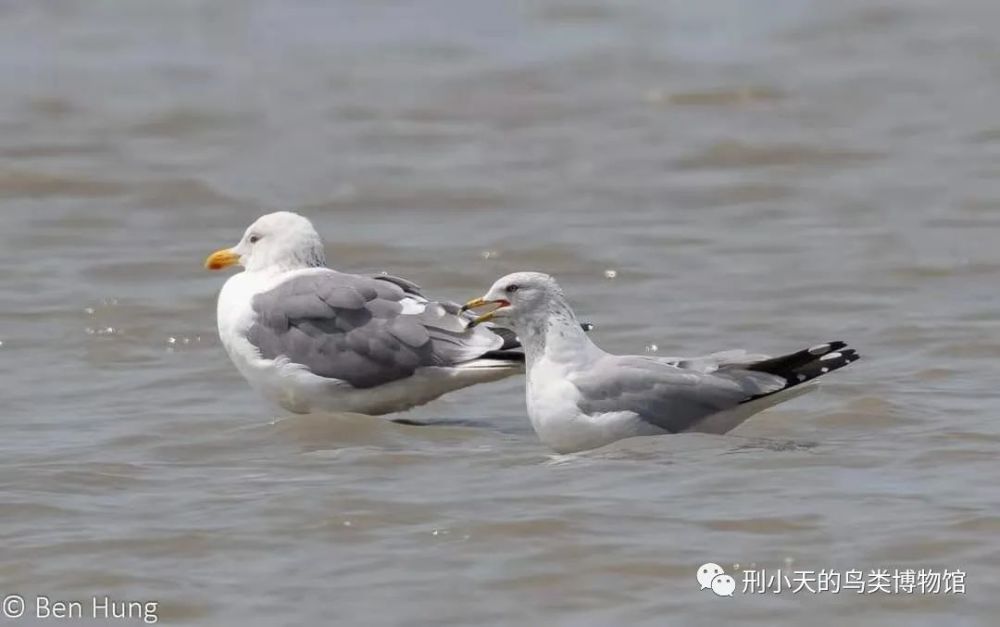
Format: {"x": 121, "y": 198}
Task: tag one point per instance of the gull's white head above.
{"x": 277, "y": 241}
{"x": 523, "y": 298}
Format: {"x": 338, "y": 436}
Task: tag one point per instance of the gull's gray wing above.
{"x": 662, "y": 394}
{"x": 510, "y": 340}
{"x": 675, "y": 394}
{"x": 713, "y": 361}
{"x": 363, "y": 330}
{"x": 405, "y": 284}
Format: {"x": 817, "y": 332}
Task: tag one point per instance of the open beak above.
{"x": 222, "y": 259}
{"x": 476, "y": 303}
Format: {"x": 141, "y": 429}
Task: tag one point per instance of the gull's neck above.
{"x": 284, "y": 266}
{"x": 263, "y": 279}
{"x": 556, "y": 336}
{"x": 275, "y": 261}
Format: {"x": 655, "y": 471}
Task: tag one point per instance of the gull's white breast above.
{"x": 553, "y": 408}
{"x": 552, "y": 404}
{"x": 284, "y": 383}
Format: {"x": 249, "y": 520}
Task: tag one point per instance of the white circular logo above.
{"x": 711, "y": 576}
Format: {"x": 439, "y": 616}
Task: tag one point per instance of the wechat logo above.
{"x": 712, "y": 576}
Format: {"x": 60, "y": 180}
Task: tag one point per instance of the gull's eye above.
{"x": 510, "y": 289}
{"x": 254, "y": 239}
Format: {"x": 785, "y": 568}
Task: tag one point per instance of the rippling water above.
{"x": 698, "y": 175}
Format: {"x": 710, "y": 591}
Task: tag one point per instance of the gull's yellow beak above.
{"x": 476, "y": 303}
{"x": 221, "y": 259}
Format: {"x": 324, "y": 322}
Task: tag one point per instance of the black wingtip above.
{"x": 806, "y": 365}
{"x": 515, "y": 356}
{"x": 788, "y": 364}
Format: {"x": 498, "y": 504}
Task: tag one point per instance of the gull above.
{"x": 580, "y": 397}
{"x": 309, "y": 338}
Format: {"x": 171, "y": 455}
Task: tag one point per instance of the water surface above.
{"x": 766, "y": 175}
